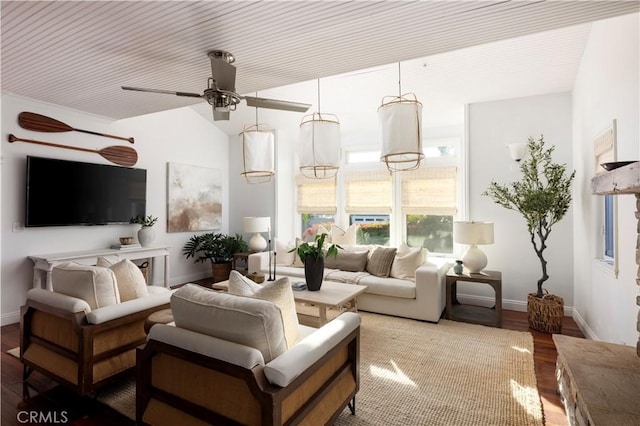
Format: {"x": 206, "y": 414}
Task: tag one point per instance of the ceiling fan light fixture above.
{"x": 258, "y": 144}
{"x": 319, "y": 145}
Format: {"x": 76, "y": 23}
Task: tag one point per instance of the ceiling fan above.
{"x": 221, "y": 90}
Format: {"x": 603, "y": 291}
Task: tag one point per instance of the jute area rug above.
{"x": 416, "y": 373}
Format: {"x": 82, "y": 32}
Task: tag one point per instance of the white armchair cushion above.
{"x": 108, "y": 313}
{"x": 278, "y": 292}
{"x": 243, "y": 320}
{"x": 130, "y": 280}
{"x": 284, "y": 369}
{"x": 58, "y": 300}
{"x": 93, "y": 284}
{"x": 234, "y": 353}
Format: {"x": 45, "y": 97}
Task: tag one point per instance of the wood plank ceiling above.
{"x": 78, "y": 54}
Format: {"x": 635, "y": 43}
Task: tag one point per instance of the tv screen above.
{"x": 61, "y": 192}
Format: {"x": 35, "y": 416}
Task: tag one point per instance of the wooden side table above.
{"x": 469, "y": 313}
{"x": 241, "y": 262}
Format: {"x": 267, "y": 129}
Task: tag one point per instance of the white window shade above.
{"x": 257, "y": 153}
{"x": 430, "y": 191}
{"x": 401, "y": 126}
{"x": 368, "y": 191}
{"x": 319, "y": 143}
{"x": 316, "y": 195}
{"x": 604, "y": 147}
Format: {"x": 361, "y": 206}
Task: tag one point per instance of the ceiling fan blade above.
{"x": 224, "y": 74}
{"x": 219, "y": 115}
{"x": 167, "y": 92}
{"x": 276, "y": 104}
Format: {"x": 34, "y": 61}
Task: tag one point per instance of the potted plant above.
{"x": 216, "y": 248}
{"x": 542, "y": 197}
{"x": 312, "y": 256}
{"x": 146, "y": 234}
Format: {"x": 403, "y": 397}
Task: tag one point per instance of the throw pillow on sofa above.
{"x": 340, "y": 236}
{"x": 380, "y": 261}
{"x": 283, "y": 257}
{"x": 278, "y": 292}
{"x": 244, "y": 320}
{"x": 130, "y": 280}
{"x": 406, "y": 261}
{"x": 347, "y": 261}
{"x": 95, "y": 285}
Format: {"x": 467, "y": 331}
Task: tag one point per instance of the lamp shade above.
{"x": 257, "y": 153}
{"x": 319, "y": 142}
{"x": 518, "y": 150}
{"x": 256, "y": 224}
{"x": 401, "y": 125}
{"x": 473, "y": 232}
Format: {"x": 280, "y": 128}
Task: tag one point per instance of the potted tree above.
{"x": 542, "y": 197}
{"x": 216, "y": 248}
{"x": 312, "y": 256}
{"x": 146, "y": 234}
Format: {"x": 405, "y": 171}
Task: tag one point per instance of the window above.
{"x": 316, "y": 204}
{"x": 609, "y": 250}
{"x": 372, "y": 228}
{"x": 368, "y": 199}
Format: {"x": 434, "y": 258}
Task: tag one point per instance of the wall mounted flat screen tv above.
{"x": 61, "y": 192}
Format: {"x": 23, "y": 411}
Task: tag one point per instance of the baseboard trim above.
{"x": 508, "y": 304}
{"x": 10, "y": 318}
{"x": 583, "y": 326}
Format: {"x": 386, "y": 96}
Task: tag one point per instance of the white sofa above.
{"x": 422, "y": 299}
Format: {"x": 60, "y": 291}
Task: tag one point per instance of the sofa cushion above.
{"x": 95, "y": 285}
{"x": 340, "y": 236}
{"x": 278, "y": 292}
{"x": 245, "y": 320}
{"x": 393, "y": 287}
{"x": 380, "y": 261}
{"x": 405, "y": 263}
{"x": 290, "y": 271}
{"x": 130, "y": 280}
{"x": 347, "y": 261}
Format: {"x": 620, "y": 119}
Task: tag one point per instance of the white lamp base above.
{"x": 474, "y": 260}
{"x": 257, "y": 243}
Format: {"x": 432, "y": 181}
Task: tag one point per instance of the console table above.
{"x": 43, "y": 264}
{"x": 470, "y": 313}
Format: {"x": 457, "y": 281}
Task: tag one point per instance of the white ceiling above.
{"x": 78, "y": 54}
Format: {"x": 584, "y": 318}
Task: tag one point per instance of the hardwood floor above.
{"x": 53, "y": 400}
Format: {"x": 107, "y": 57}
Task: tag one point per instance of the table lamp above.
{"x": 256, "y": 225}
{"x": 473, "y": 234}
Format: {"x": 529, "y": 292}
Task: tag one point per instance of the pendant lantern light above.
{"x": 319, "y": 144}
{"x": 401, "y": 123}
{"x": 257, "y": 152}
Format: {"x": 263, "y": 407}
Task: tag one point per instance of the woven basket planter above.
{"x": 221, "y": 271}
{"x": 545, "y": 313}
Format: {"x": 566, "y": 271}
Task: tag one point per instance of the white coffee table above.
{"x": 340, "y": 296}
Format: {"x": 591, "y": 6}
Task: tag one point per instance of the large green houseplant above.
{"x": 542, "y": 196}
{"x": 312, "y": 256}
{"x": 216, "y": 248}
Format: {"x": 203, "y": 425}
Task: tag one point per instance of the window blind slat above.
{"x": 368, "y": 192}
{"x": 316, "y": 195}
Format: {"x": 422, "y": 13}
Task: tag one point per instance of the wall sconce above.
{"x": 473, "y": 234}
{"x": 256, "y": 225}
{"x": 518, "y": 151}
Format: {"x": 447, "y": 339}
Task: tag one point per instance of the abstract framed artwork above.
{"x": 194, "y": 196}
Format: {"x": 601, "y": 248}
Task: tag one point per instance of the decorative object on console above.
{"x": 146, "y": 234}
{"x": 217, "y": 249}
{"x": 319, "y": 144}
{"x": 120, "y": 155}
{"x": 542, "y": 197}
{"x": 458, "y": 268}
{"x": 401, "y": 122}
{"x": 473, "y": 234}
{"x": 194, "y": 198}
{"x": 256, "y": 225}
{"x": 41, "y": 123}
{"x": 257, "y": 152}
{"x": 312, "y": 256}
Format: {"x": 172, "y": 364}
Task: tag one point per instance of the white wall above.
{"x": 180, "y": 136}
{"x": 606, "y": 88}
{"x": 493, "y": 125}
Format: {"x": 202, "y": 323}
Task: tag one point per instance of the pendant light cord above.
{"x": 256, "y": 113}
{"x": 399, "y": 82}
{"x": 318, "y": 96}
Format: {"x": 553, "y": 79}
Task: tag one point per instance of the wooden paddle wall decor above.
{"x": 41, "y": 123}
{"x": 121, "y": 155}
